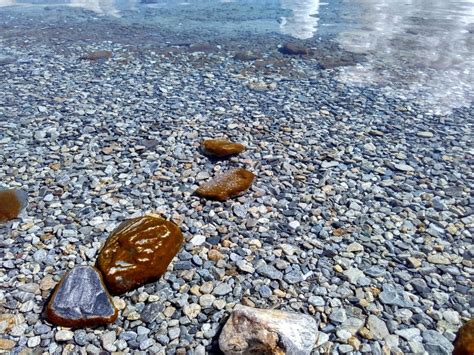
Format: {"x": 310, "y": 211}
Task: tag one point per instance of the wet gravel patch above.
{"x": 360, "y": 215}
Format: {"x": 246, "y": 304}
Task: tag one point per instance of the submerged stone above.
{"x": 261, "y": 331}
{"x": 294, "y": 49}
{"x": 464, "y": 342}
{"x": 245, "y": 56}
{"x": 221, "y": 148}
{"x": 227, "y": 185}
{"x": 137, "y": 252}
{"x": 12, "y": 202}
{"x": 97, "y": 55}
{"x": 81, "y": 300}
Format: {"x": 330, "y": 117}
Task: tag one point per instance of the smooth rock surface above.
{"x": 464, "y": 342}
{"x": 137, "y": 252}
{"x": 226, "y": 185}
{"x": 221, "y": 148}
{"x": 259, "y": 331}
{"x": 12, "y": 202}
{"x": 81, "y": 300}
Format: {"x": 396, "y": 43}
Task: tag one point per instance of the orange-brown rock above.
{"x": 221, "y": 148}
{"x": 97, "y": 55}
{"x": 137, "y": 252}
{"x": 464, "y": 342}
{"x": 227, "y": 185}
{"x": 12, "y": 202}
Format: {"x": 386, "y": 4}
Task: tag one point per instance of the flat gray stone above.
{"x": 391, "y": 296}
{"x": 377, "y": 327}
{"x": 436, "y": 343}
{"x": 270, "y": 271}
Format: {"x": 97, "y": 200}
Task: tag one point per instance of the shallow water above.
{"x": 420, "y": 50}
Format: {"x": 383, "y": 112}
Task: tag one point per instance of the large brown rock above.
{"x": 221, "y": 148}
{"x": 262, "y": 331}
{"x": 137, "y": 252}
{"x": 227, "y": 185}
{"x": 12, "y": 202}
{"x": 464, "y": 342}
{"x": 81, "y": 300}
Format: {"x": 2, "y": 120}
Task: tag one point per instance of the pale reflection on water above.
{"x": 415, "y": 48}
{"x": 425, "y": 47}
{"x": 303, "y": 23}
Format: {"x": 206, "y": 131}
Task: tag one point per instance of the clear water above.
{"x": 420, "y": 50}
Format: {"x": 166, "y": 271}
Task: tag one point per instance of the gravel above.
{"x": 361, "y": 213}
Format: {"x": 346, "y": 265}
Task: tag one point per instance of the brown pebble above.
{"x": 214, "y": 255}
{"x": 464, "y": 342}
{"x": 227, "y": 185}
{"x": 221, "y": 148}
{"x": 11, "y": 203}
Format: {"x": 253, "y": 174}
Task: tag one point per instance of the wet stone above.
{"x": 464, "y": 342}
{"x": 97, "y": 55}
{"x": 138, "y": 252}
{"x": 221, "y": 148}
{"x": 81, "y": 300}
{"x": 227, "y": 185}
{"x": 12, "y": 202}
{"x": 294, "y": 49}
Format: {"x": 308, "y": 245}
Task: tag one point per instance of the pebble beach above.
{"x": 360, "y": 214}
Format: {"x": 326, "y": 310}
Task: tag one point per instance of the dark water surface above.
{"x": 420, "y": 49}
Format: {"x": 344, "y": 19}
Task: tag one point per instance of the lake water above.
{"x": 420, "y": 49}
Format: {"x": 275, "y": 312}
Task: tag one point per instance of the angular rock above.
{"x": 259, "y": 331}
{"x": 377, "y": 327}
{"x": 97, "y": 55}
{"x": 81, "y": 300}
{"x": 138, "y": 252}
{"x": 464, "y": 342}
{"x": 393, "y": 296}
{"x": 436, "y": 343}
{"x": 12, "y": 202}
{"x": 227, "y": 185}
{"x": 294, "y": 49}
{"x": 221, "y": 148}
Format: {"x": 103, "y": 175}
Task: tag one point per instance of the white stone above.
{"x": 294, "y": 224}
{"x": 425, "y": 134}
{"x": 271, "y": 330}
{"x": 198, "y": 240}
{"x": 63, "y": 335}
